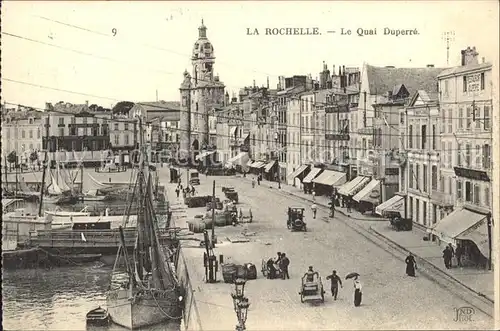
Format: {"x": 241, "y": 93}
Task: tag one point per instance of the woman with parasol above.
{"x": 357, "y": 288}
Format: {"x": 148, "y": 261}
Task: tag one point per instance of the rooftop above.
{"x": 466, "y": 68}
{"x": 383, "y": 79}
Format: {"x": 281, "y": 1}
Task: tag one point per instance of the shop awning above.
{"x": 370, "y": 193}
{"x": 240, "y": 159}
{"x": 249, "y": 163}
{"x": 204, "y": 154}
{"x": 311, "y": 175}
{"x": 354, "y": 186}
{"x": 269, "y": 166}
{"x": 456, "y": 223}
{"x": 257, "y": 164}
{"x": 479, "y": 235}
{"x": 299, "y": 171}
{"x": 330, "y": 178}
{"x": 232, "y": 131}
{"x": 394, "y": 204}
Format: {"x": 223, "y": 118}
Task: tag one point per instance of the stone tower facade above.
{"x": 200, "y": 93}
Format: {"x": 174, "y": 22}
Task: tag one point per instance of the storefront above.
{"x": 239, "y": 162}
{"x": 354, "y": 186}
{"x": 307, "y": 181}
{"x": 369, "y": 196}
{"x": 256, "y": 167}
{"x": 393, "y": 206}
{"x": 325, "y": 183}
{"x": 468, "y": 228}
{"x": 299, "y": 174}
{"x": 271, "y": 170}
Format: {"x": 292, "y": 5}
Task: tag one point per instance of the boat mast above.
{"x": 44, "y": 165}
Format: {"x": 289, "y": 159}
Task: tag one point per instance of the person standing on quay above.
{"x": 314, "y": 209}
{"x": 458, "y": 254}
{"x": 411, "y": 265}
{"x": 447, "y": 255}
{"x": 357, "y": 292}
{"x": 335, "y": 280}
{"x": 284, "y": 263}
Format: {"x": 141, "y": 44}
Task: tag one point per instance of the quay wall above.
{"x": 191, "y": 315}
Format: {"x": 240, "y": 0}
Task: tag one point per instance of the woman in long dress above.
{"x": 357, "y": 292}
{"x": 410, "y": 265}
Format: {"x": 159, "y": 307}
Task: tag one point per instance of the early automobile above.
{"x": 194, "y": 178}
{"x": 400, "y": 223}
{"x": 311, "y": 290}
{"x": 295, "y": 220}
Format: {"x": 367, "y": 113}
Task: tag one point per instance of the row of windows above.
{"x": 30, "y": 134}
{"x": 420, "y": 140}
{"x": 462, "y": 155}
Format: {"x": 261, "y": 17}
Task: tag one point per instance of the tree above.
{"x": 12, "y": 157}
{"x": 33, "y": 156}
{"x": 122, "y": 107}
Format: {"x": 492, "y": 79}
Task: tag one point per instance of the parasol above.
{"x": 351, "y": 275}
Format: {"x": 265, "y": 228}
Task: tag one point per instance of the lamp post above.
{"x": 277, "y": 158}
{"x": 240, "y": 303}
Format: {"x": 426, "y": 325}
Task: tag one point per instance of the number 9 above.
{"x": 114, "y": 32}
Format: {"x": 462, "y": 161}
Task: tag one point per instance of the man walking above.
{"x": 458, "y": 253}
{"x": 284, "y": 263}
{"x": 335, "y": 281}
{"x": 313, "y": 208}
{"x": 447, "y": 255}
{"x": 177, "y": 191}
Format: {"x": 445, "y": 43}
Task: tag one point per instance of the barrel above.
{"x": 197, "y": 225}
{"x": 222, "y": 219}
{"x": 229, "y": 272}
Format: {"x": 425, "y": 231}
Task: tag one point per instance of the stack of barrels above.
{"x": 197, "y": 225}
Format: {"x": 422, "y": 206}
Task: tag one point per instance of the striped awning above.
{"x": 394, "y": 204}
{"x": 354, "y": 186}
{"x": 330, "y": 178}
{"x": 257, "y": 164}
{"x": 269, "y": 166}
{"x": 311, "y": 175}
{"x": 370, "y": 193}
{"x": 299, "y": 171}
{"x": 204, "y": 154}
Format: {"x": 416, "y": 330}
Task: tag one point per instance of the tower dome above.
{"x": 202, "y": 48}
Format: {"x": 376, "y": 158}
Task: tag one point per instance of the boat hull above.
{"x": 143, "y": 311}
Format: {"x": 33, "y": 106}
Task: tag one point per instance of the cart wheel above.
{"x": 301, "y": 297}
{"x": 322, "y": 296}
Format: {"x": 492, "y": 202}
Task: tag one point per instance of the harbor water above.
{"x": 58, "y": 299}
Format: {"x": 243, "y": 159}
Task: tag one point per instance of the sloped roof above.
{"x": 460, "y": 69}
{"x": 15, "y": 115}
{"x": 71, "y": 108}
{"x": 160, "y": 106}
{"x": 382, "y": 79}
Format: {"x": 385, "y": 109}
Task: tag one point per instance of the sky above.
{"x": 106, "y": 52}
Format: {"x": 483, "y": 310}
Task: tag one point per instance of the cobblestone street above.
{"x": 389, "y": 296}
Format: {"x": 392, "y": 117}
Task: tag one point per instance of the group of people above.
{"x": 259, "y": 179}
{"x": 185, "y": 191}
{"x": 335, "y": 281}
{"x": 278, "y": 268}
{"x": 449, "y": 253}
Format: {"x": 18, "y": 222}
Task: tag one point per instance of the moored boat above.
{"x": 98, "y": 317}
{"x": 145, "y": 290}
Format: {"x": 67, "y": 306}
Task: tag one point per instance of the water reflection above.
{"x": 57, "y": 299}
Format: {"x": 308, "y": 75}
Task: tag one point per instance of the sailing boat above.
{"x": 146, "y": 291}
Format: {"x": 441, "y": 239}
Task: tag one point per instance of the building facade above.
{"x": 466, "y": 132}
{"x": 76, "y": 133}
{"x": 22, "y": 133}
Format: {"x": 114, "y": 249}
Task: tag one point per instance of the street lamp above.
{"x": 241, "y": 303}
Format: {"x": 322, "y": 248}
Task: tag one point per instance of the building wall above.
{"x": 293, "y": 134}
{"x": 308, "y": 151}
{"x": 467, "y": 143}
{"x": 22, "y": 135}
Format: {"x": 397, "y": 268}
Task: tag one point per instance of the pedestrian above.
{"x": 193, "y": 191}
{"x": 357, "y": 292}
{"x": 253, "y": 182}
{"x": 458, "y": 254}
{"x": 309, "y": 275}
{"x": 342, "y": 200}
{"x": 447, "y": 255}
{"x": 314, "y": 195}
{"x": 313, "y": 208}
{"x": 177, "y": 191}
{"x": 271, "y": 269}
{"x": 411, "y": 265}
{"x": 348, "y": 204}
{"x": 285, "y": 262}
{"x": 335, "y": 281}
{"x": 452, "y": 255}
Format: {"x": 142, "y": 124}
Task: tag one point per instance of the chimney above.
{"x": 430, "y": 66}
{"x": 226, "y": 99}
{"x": 469, "y": 56}
{"x": 86, "y": 103}
{"x": 268, "y": 82}
{"x": 254, "y": 83}
{"x": 483, "y": 60}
